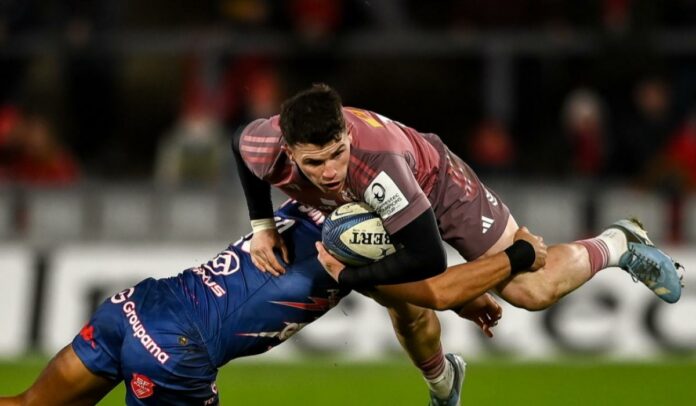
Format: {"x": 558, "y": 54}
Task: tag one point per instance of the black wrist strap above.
{"x": 521, "y": 255}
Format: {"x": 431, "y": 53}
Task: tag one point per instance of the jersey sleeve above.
{"x": 257, "y": 192}
{"x": 393, "y": 191}
{"x": 260, "y": 146}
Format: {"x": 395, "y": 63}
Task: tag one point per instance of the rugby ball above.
{"x": 355, "y": 235}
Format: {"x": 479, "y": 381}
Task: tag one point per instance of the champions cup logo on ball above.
{"x": 355, "y": 235}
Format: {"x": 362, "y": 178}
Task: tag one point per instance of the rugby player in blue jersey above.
{"x": 165, "y": 339}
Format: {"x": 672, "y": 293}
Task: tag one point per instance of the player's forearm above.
{"x": 464, "y": 282}
{"x": 456, "y": 286}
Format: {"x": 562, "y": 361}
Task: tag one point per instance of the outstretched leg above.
{"x": 418, "y": 332}
{"x": 569, "y": 266}
{"x": 64, "y": 381}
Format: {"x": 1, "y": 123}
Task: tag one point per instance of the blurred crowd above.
{"x": 83, "y": 108}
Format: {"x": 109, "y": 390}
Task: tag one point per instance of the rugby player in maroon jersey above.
{"x": 324, "y": 154}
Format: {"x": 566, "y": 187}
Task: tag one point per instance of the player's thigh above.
{"x": 507, "y": 288}
{"x": 187, "y": 378}
{"x": 520, "y": 288}
{"x": 66, "y": 381}
{"x": 163, "y": 358}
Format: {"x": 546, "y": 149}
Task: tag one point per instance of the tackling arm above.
{"x": 456, "y": 286}
{"x": 462, "y": 283}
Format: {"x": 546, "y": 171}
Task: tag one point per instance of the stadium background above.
{"x": 114, "y": 125}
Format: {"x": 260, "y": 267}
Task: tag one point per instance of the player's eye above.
{"x": 312, "y": 162}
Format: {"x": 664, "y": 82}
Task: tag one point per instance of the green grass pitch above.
{"x": 320, "y": 382}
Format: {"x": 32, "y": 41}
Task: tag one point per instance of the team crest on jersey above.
{"x": 385, "y": 196}
{"x": 142, "y": 386}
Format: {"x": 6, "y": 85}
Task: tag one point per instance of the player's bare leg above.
{"x": 418, "y": 331}
{"x": 64, "y": 381}
{"x": 569, "y": 266}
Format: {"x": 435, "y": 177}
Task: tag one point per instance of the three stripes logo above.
{"x": 486, "y": 223}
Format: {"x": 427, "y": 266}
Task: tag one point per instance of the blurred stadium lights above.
{"x": 366, "y": 42}
{"x": 497, "y": 48}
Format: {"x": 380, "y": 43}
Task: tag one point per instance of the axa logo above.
{"x": 486, "y": 223}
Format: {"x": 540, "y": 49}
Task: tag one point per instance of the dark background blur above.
{"x": 109, "y": 91}
{"x": 496, "y": 79}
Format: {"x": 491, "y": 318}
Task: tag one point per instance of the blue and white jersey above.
{"x": 241, "y": 311}
{"x": 166, "y": 338}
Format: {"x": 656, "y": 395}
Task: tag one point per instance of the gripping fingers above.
{"x": 274, "y": 265}
{"x": 485, "y": 327}
{"x": 263, "y": 265}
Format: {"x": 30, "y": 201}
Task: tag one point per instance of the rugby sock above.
{"x": 606, "y": 249}
{"x": 599, "y": 254}
{"x": 616, "y": 242}
{"x": 438, "y": 374}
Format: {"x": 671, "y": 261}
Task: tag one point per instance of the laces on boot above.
{"x": 641, "y": 267}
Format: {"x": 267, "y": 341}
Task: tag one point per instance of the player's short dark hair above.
{"x": 312, "y": 116}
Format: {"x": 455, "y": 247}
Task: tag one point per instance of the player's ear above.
{"x": 288, "y": 152}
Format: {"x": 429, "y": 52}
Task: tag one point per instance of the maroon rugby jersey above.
{"x": 393, "y": 168}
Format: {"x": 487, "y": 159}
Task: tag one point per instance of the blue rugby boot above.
{"x": 645, "y": 263}
{"x": 459, "y": 371}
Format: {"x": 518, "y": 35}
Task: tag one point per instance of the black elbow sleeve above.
{"x": 256, "y": 191}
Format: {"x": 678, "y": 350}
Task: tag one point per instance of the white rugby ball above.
{"x": 355, "y": 235}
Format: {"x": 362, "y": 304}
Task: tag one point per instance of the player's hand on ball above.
{"x": 540, "y": 249}
{"x": 331, "y": 265}
{"x": 484, "y": 311}
{"x": 262, "y": 248}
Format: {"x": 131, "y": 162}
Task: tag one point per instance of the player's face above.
{"x": 326, "y": 166}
